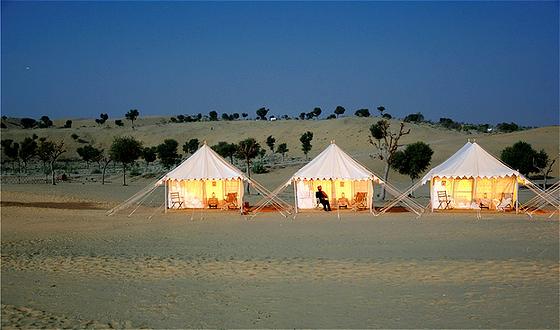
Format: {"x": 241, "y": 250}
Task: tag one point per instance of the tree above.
{"x": 11, "y": 150}
{"x": 131, "y": 115}
{"x": 386, "y": 116}
{"x": 213, "y": 115}
{"x": 270, "y": 142}
{"x": 104, "y": 161}
{"x": 282, "y": 149}
{"x": 247, "y": 150}
{"x": 413, "y": 160}
{"x": 339, "y": 111}
{"x": 149, "y": 154}
{"x": 316, "y": 112}
{"x": 362, "y": 113}
{"x": 507, "y": 128}
{"x": 305, "y": 140}
{"x": 125, "y": 150}
{"x": 302, "y": 116}
{"x": 414, "y": 118}
{"x": 235, "y": 116}
{"x": 309, "y": 115}
{"x": 119, "y": 122}
{"x": 45, "y": 122}
{"x": 244, "y": 115}
{"x": 225, "y": 116}
{"x": 180, "y": 118}
{"x": 68, "y": 124}
{"x": 89, "y": 154}
{"x": 49, "y": 151}
{"x": 103, "y": 118}
{"x": 167, "y": 153}
{"x": 449, "y": 123}
{"x": 543, "y": 164}
{"x": 261, "y": 113}
{"x": 226, "y": 150}
{"x": 386, "y": 144}
{"x": 27, "y": 150}
{"x": 520, "y": 156}
{"x": 331, "y": 116}
{"x": 191, "y": 146}
{"x": 28, "y": 122}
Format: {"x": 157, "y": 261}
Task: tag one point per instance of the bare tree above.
{"x": 386, "y": 143}
{"x": 50, "y": 151}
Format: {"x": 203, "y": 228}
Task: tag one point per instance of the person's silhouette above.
{"x": 323, "y": 198}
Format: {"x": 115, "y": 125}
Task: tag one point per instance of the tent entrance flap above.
{"x": 197, "y": 193}
{"x": 472, "y": 192}
{"x": 335, "y": 189}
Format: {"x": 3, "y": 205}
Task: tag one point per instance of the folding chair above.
{"x": 176, "y": 200}
{"x": 506, "y": 202}
{"x": 360, "y": 201}
{"x": 231, "y": 201}
{"x": 443, "y": 200}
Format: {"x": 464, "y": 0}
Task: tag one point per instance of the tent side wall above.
{"x": 468, "y": 193}
{"x": 335, "y": 189}
{"x": 195, "y": 193}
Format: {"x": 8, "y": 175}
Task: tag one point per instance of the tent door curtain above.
{"x": 335, "y": 189}
{"x": 473, "y": 193}
{"x": 198, "y": 193}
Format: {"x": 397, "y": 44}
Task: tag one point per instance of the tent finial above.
{"x": 204, "y": 142}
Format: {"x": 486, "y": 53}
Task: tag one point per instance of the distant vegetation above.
{"x": 522, "y": 157}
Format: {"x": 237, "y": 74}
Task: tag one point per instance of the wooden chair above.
{"x": 342, "y": 203}
{"x": 360, "y": 201}
{"x": 176, "y": 200}
{"x": 443, "y": 200}
{"x": 506, "y": 202}
{"x": 231, "y": 201}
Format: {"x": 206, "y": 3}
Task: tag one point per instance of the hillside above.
{"x": 350, "y": 133}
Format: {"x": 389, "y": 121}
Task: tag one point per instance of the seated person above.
{"x": 343, "y": 201}
{"x": 323, "y": 198}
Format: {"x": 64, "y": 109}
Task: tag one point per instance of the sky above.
{"x": 478, "y": 62}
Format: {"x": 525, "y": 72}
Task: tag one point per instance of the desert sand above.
{"x": 66, "y": 264}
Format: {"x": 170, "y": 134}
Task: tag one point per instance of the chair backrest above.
{"x": 175, "y": 197}
{"x": 231, "y": 197}
{"x": 360, "y": 197}
{"x": 507, "y": 195}
{"x": 442, "y": 195}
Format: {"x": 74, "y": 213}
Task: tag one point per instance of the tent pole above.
{"x": 431, "y": 191}
{"x": 370, "y": 198}
{"x": 165, "y": 198}
{"x": 294, "y": 183}
{"x": 516, "y": 196}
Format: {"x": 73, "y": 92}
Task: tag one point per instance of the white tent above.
{"x": 338, "y": 174}
{"x": 203, "y": 180}
{"x": 341, "y": 177}
{"x": 203, "y": 177}
{"x": 472, "y": 177}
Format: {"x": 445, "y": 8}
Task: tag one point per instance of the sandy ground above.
{"x": 65, "y": 264}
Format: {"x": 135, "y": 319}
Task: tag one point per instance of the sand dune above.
{"x": 75, "y": 267}
{"x": 350, "y": 133}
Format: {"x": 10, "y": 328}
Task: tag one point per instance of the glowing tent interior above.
{"x": 346, "y": 182}
{"x": 473, "y": 179}
{"x": 203, "y": 181}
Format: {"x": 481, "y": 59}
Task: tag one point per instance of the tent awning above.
{"x": 333, "y": 164}
{"x": 471, "y": 161}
